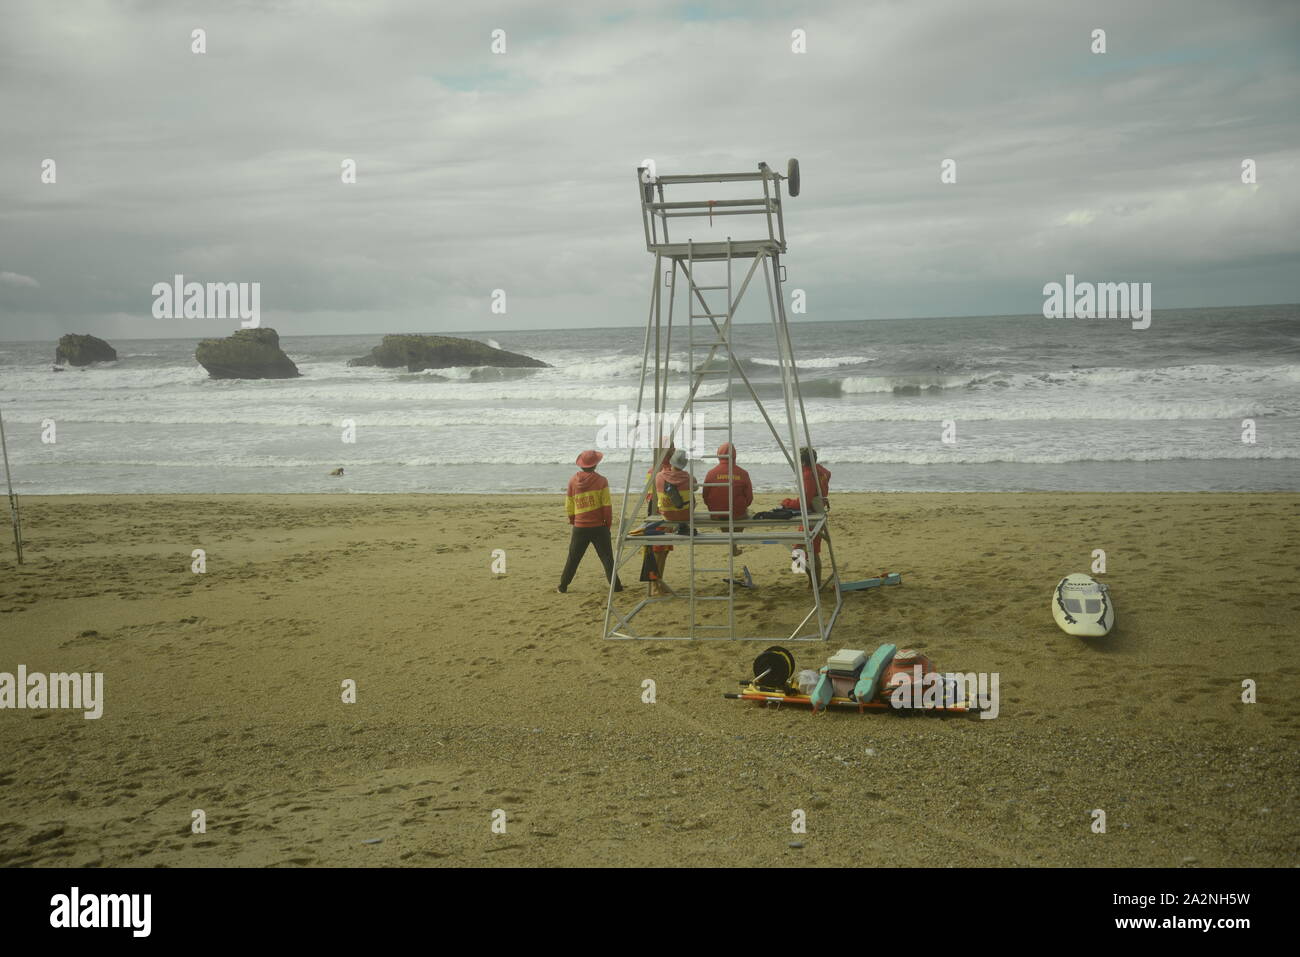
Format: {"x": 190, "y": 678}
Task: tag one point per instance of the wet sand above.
{"x": 478, "y": 692}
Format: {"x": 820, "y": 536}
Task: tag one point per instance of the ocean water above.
{"x": 1037, "y": 404}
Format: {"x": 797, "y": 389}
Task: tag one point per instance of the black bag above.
{"x": 778, "y": 513}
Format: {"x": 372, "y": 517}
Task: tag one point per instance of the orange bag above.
{"x": 904, "y": 663}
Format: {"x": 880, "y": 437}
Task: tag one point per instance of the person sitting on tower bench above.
{"x": 674, "y": 489}
{"x": 728, "y": 477}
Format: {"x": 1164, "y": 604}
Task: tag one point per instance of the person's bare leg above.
{"x": 658, "y": 588}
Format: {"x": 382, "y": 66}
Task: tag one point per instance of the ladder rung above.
{"x": 708, "y": 342}
{"x": 727, "y": 570}
{"x": 714, "y": 428}
{"x": 710, "y": 372}
{"x": 715, "y": 485}
{"x": 708, "y": 315}
{"x": 708, "y": 288}
{"x": 720, "y": 398}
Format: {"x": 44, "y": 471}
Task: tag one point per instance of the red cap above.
{"x": 589, "y": 459}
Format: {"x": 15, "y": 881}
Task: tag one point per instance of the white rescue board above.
{"x": 1081, "y": 605}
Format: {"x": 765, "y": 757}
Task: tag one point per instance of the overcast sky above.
{"x": 478, "y": 171}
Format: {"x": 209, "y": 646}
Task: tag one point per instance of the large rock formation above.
{"x": 78, "y": 350}
{"x": 248, "y": 354}
{"x": 418, "y": 353}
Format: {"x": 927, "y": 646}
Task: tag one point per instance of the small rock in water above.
{"x": 796, "y": 844}
{"x": 373, "y": 840}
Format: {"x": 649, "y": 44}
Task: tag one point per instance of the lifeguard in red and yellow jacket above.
{"x": 727, "y": 477}
{"x": 674, "y": 489}
{"x": 652, "y": 497}
{"x": 591, "y": 513}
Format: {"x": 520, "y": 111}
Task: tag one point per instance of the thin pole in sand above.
{"x": 13, "y": 499}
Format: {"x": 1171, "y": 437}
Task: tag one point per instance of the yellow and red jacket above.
{"x": 679, "y": 479}
{"x": 587, "y": 502}
{"x": 652, "y": 496}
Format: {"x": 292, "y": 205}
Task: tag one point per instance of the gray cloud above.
{"x": 478, "y": 172}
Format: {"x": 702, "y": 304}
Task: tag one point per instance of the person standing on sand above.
{"x": 715, "y": 489}
{"x": 674, "y": 489}
{"x": 816, "y": 488}
{"x": 590, "y": 513}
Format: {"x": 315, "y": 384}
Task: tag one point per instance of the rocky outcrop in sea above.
{"x": 247, "y": 354}
{"x": 417, "y": 353}
{"x": 81, "y": 350}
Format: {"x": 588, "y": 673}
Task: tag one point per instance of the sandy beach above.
{"x": 478, "y": 692}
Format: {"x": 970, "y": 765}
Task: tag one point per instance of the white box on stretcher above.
{"x": 846, "y": 659}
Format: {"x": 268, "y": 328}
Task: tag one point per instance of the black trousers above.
{"x": 584, "y": 535}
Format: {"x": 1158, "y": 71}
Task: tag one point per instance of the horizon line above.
{"x": 326, "y": 335}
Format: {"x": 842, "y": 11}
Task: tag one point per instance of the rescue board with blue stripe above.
{"x": 893, "y": 578}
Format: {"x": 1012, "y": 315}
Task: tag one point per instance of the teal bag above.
{"x": 869, "y": 681}
{"x": 821, "y": 696}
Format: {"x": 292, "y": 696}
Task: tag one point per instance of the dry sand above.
{"x": 478, "y": 692}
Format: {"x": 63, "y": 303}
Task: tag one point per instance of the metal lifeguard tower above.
{"x": 706, "y": 601}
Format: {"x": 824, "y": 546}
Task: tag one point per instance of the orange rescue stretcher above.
{"x": 870, "y": 688}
